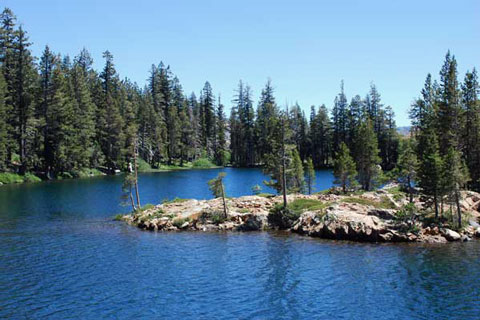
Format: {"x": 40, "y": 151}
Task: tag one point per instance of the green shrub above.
{"x": 10, "y": 177}
{"x": 178, "y": 222}
{"x": 216, "y": 217}
{"x": 143, "y": 166}
{"x": 86, "y": 173}
{"x": 407, "y": 212}
{"x": 118, "y": 217}
{"x": 29, "y": 177}
{"x": 203, "y": 163}
{"x": 282, "y": 218}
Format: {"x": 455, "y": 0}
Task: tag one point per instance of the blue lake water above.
{"x": 62, "y": 257}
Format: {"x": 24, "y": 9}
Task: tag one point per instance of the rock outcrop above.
{"x": 370, "y": 217}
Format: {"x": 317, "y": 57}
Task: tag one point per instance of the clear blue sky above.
{"x": 305, "y": 47}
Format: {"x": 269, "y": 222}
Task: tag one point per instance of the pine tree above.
{"x": 127, "y": 190}
{"x": 297, "y": 181}
{"x": 20, "y": 95}
{"x": 153, "y": 121}
{"x": 449, "y": 108}
{"x": 408, "y": 166}
{"x": 354, "y": 118}
{"x": 278, "y": 163}
{"x": 173, "y": 101}
{"x": 84, "y": 121}
{"x": 430, "y": 168}
{"x": 242, "y": 124}
{"x": 48, "y": 62}
{"x": 187, "y": 138}
{"x": 455, "y": 177}
{"x": 309, "y": 175}
{"x": 471, "y": 132}
{"x": 207, "y": 119}
{"x": 321, "y": 137}
{"x": 194, "y": 108}
{"x": 373, "y": 107}
{"x": 235, "y": 137}
{"x": 367, "y": 159}
{"x": 110, "y": 123}
{"x": 388, "y": 138}
{"x": 221, "y": 155}
{"x": 422, "y": 112}
{"x": 218, "y": 189}
{"x": 344, "y": 169}
{"x": 340, "y": 119}
{"x": 61, "y": 132}
{"x": 267, "y": 122}
{"x": 4, "y": 139}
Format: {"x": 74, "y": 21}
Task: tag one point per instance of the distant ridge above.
{"x": 404, "y": 131}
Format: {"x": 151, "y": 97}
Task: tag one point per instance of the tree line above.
{"x": 59, "y": 115}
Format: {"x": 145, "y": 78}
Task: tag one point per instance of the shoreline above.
{"x": 375, "y": 217}
{"x": 22, "y": 179}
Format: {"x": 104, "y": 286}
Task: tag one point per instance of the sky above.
{"x": 305, "y": 47}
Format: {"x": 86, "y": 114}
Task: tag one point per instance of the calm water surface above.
{"x": 62, "y": 257}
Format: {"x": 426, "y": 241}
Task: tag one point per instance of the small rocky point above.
{"x": 340, "y": 218}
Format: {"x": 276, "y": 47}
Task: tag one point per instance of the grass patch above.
{"x": 148, "y": 206}
{"x": 244, "y": 210}
{"x": 175, "y": 200}
{"x": 266, "y": 195}
{"x": 397, "y": 193}
{"x": 9, "y": 177}
{"x": 384, "y": 203}
{"x": 301, "y": 205}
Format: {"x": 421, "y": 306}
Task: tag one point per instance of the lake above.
{"x": 62, "y": 256}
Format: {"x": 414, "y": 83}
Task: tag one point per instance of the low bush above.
{"x": 203, "y": 163}
{"x": 29, "y": 177}
{"x": 118, "y": 217}
{"x": 281, "y": 217}
{"x": 143, "y": 166}
{"x": 216, "y": 217}
{"x": 178, "y": 222}
{"x": 407, "y": 212}
{"x": 86, "y": 173}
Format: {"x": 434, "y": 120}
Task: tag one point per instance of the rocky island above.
{"x": 377, "y": 216}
